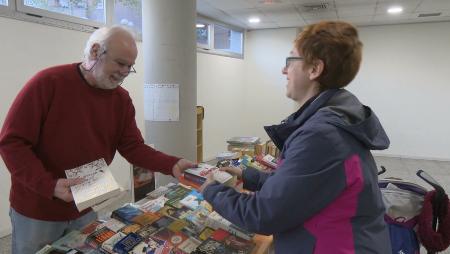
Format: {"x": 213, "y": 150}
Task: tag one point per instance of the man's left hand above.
{"x": 181, "y": 166}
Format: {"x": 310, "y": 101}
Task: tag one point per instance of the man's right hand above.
{"x": 62, "y": 188}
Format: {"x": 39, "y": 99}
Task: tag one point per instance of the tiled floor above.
{"x": 396, "y": 167}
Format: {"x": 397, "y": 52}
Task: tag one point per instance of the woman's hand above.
{"x": 235, "y": 171}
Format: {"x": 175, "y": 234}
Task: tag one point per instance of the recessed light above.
{"x": 395, "y": 10}
{"x": 200, "y": 25}
{"x": 254, "y": 20}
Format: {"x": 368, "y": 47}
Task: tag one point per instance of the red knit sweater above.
{"x": 59, "y": 122}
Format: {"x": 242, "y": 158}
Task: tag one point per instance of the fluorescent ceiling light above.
{"x": 200, "y": 25}
{"x": 395, "y": 10}
{"x": 254, "y": 20}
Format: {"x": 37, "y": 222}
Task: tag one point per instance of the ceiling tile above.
{"x": 433, "y": 5}
{"x": 355, "y": 11}
{"x": 230, "y": 4}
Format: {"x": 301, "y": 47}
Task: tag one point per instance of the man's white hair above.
{"x": 101, "y": 37}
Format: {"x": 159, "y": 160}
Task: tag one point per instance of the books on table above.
{"x": 99, "y": 184}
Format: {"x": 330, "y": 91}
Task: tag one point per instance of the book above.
{"x": 126, "y": 213}
{"x": 243, "y": 140}
{"x": 192, "y": 200}
{"x": 267, "y": 160}
{"x": 99, "y": 184}
{"x": 215, "y": 221}
{"x": 108, "y": 245}
{"x": 73, "y": 239}
{"x": 128, "y": 243}
{"x": 198, "y": 175}
{"x": 96, "y": 239}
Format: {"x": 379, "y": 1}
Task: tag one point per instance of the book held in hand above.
{"x": 99, "y": 184}
{"x": 198, "y": 175}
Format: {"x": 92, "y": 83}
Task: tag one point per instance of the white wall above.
{"x": 220, "y": 92}
{"x": 265, "y": 85}
{"x": 405, "y": 78}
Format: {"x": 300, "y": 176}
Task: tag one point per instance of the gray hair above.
{"x": 102, "y": 35}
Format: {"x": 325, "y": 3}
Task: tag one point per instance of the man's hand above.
{"x": 209, "y": 180}
{"x": 236, "y": 171}
{"x": 181, "y": 166}
{"x": 62, "y": 188}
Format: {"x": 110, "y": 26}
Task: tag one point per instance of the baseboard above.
{"x": 411, "y": 157}
{"x": 5, "y": 231}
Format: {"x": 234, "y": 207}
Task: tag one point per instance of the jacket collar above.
{"x": 280, "y": 133}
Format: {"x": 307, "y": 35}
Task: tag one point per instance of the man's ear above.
{"x": 316, "y": 69}
{"x": 95, "y": 51}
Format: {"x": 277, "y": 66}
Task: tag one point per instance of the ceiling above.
{"x": 297, "y": 13}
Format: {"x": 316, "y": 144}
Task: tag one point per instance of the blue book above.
{"x": 127, "y": 244}
{"x": 126, "y": 213}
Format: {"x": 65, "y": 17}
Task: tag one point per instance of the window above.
{"x": 227, "y": 39}
{"x": 203, "y": 34}
{"x": 87, "y": 12}
{"x": 219, "y": 39}
{"x": 128, "y": 13}
{"x": 4, "y": 2}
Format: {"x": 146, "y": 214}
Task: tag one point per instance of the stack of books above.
{"x": 184, "y": 223}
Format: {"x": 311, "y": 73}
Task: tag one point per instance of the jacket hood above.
{"x": 340, "y": 108}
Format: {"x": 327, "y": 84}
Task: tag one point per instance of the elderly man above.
{"x": 64, "y": 117}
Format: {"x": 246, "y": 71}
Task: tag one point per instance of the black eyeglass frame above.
{"x": 130, "y": 67}
{"x": 292, "y": 58}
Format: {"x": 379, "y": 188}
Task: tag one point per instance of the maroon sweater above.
{"x": 59, "y": 122}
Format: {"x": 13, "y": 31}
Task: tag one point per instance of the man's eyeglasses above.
{"x": 291, "y": 59}
{"x": 122, "y": 65}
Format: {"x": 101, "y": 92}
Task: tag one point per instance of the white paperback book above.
{"x": 99, "y": 184}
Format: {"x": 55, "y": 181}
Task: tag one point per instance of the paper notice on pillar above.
{"x": 162, "y": 102}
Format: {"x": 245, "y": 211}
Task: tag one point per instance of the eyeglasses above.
{"x": 122, "y": 65}
{"x": 291, "y": 59}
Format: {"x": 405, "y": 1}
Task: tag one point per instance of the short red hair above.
{"x": 336, "y": 43}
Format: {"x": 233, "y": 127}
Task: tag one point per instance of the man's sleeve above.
{"x": 133, "y": 148}
{"x": 309, "y": 179}
{"x": 20, "y": 134}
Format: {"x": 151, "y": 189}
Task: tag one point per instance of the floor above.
{"x": 396, "y": 167}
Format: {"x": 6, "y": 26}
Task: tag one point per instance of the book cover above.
{"x": 163, "y": 222}
{"x": 108, "y": 245}
{"x": 192, "y": 200}
{"x": 176, "y": 195}
{"x": 211, "y": 246}
{"x": 153, "y": 205}
{"x": 131, "y": 228}
{"x": 127, "y": 244}
{"x": 154, "y": 245}
{"x": 99, "y": 184}
{"x": 189, "y": 245}
{"x": 73, "y": 239}
{"x": 198, "y": 175}
{"x": 161, "y": 191}
{"x": 146, "y": 218}
{"x": 91, "y": 227}
{"x": 114, "y": 225}
{"x": 173, "y": 238}
{"x": 126, "y": 213}
{"x": 96, "y": 239}
{"x": 216, "y": 221}
{"x": 147, "y": 231}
